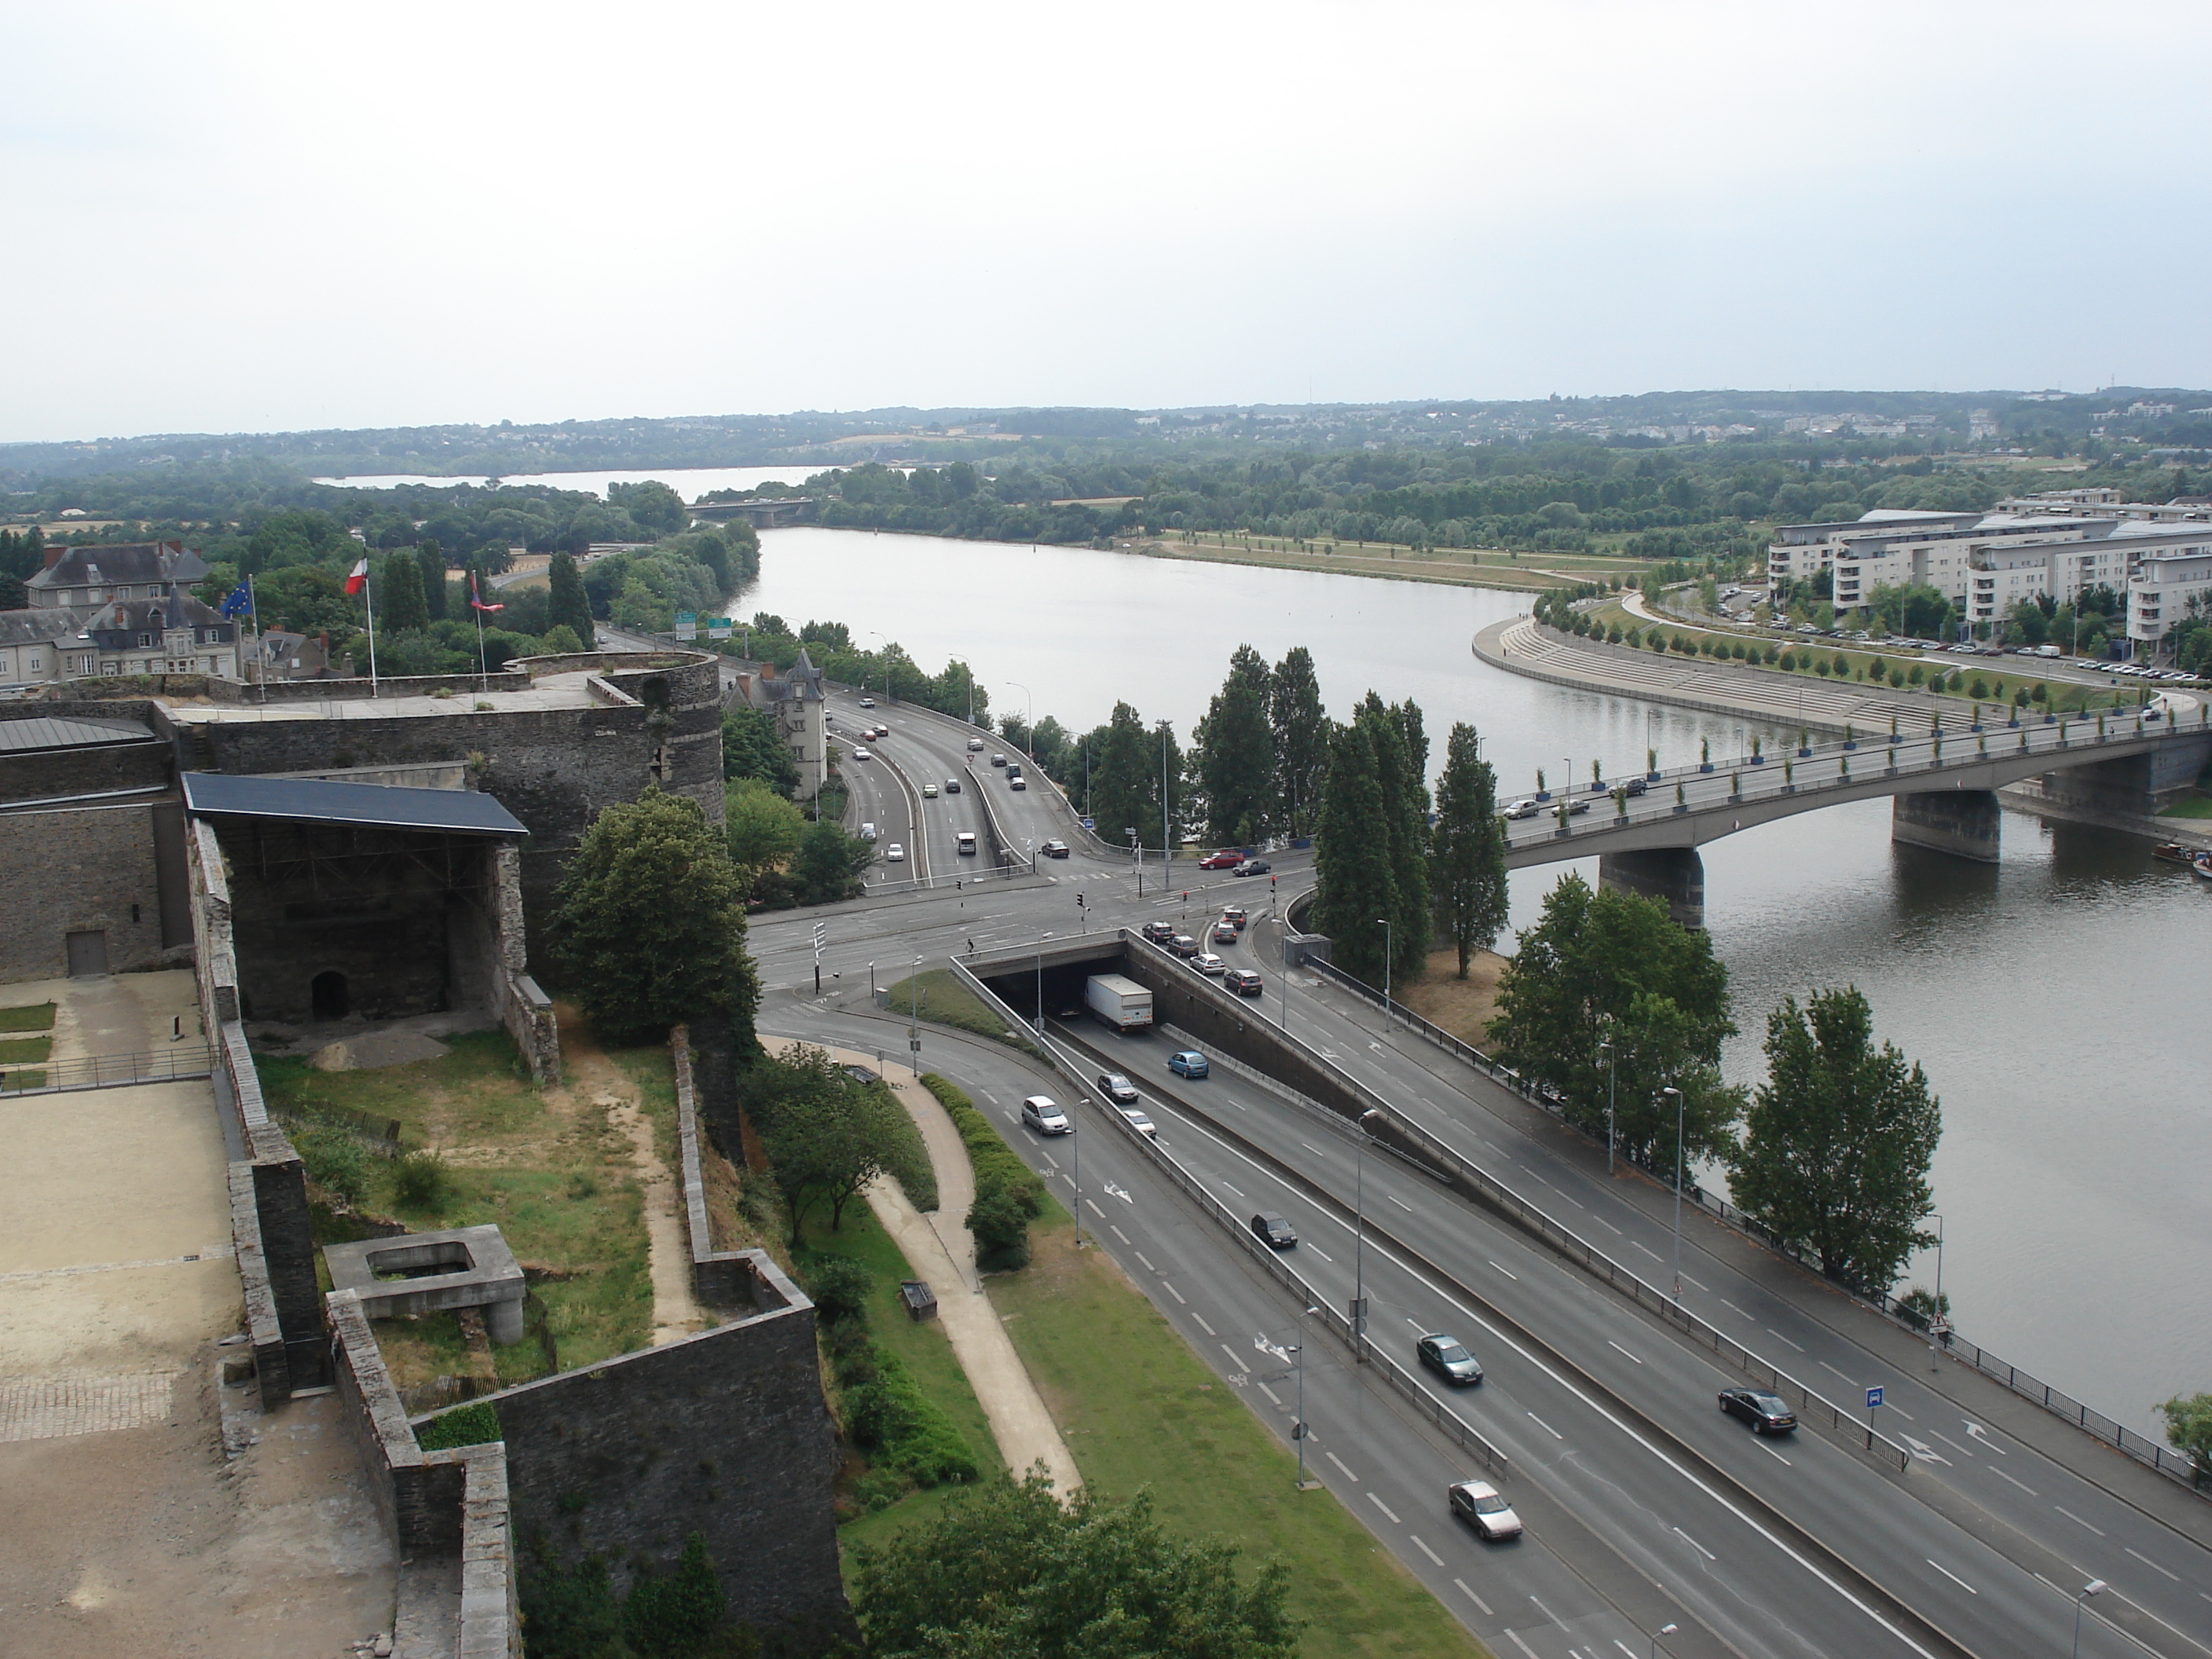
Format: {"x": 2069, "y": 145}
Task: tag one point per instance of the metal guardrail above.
{"x": 45, "y": 1077}
{"x": 1269, "y": 1260}
{"x": 2150, "y": 1453}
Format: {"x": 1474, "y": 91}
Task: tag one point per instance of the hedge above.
{"x": 1008, "y": 1194}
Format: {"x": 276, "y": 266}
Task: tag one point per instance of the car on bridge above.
{"x": 861, "y": 755}
{"x": 1136, "y": 1120}
{"x": 997, "y": 760}
{"x": 1275, "y": 1232}
{"x": 1189, "y": 1062}
{"x": 1483, "y": 1507}
{"x": 1209, "y": 964}
{"x": 1577, "y": 806}
{"x": 894, "y": 853}
{"x": 1767, "y": 1413}
{"x": 1055, "y": 848}
{"x": 1524, "y": 808}
{"x": 1252, "y": 867}
{"x": 1635, "y": 786}
{"x": 1234, "y": 914}
{"x": 868, "y": 703}
{"x": 1243, "y": 982}
{"x": 974, "y": 745}
{"x": 1227, "y": 859}
{"x": 1446, "y": 1356}
{"x": 952, "y": 786}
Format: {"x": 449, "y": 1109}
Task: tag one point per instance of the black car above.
{"x": 1576, "y": 807}
{"x": 1252, "y": 867}
{"x": 1448, "y": 1357}
{"x": 1159, "y": 931}
{"x": 1182, "y": 945}
{"x": 1054, "y": 850}
{"x": 1117, "y": 1088}
{"x": 952, "y": 786}
{"x": 1243, "y": 982}
{"x": 1275, "y": 1231}
{"x": 1768, "y": 1414}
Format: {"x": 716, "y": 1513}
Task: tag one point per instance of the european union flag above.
{"x": 238, "y": 601}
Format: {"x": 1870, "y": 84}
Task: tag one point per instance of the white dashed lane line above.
{"x": 1170, "y": 1289}
{"x": 1339, "y": 1461}
{"x": 1199, "y": 1320}
{"x": 1385, "y": 1507}
{"x": 1950, "y": 1574}
{"x": 1424, "y": 1549}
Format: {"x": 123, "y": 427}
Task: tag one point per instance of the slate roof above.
{"x": 318, "y": 800}
{"x": 38, "y": 627}
{"x": 123, "y": 563}
{"x": 51, "y": 732}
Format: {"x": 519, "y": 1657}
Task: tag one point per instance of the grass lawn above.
{"x": 1461, "y": 1007}
{"x": 2196, "y": 806}
{"x": 1139, "y": 1410}
{"x": 557, "y": 1180}
{"x": 33, "y": 1017}
{"x": 945, "y": 1001}
{"x": 16, "y": 1051}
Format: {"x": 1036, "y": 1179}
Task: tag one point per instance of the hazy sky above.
{"x": 227, "y": 215}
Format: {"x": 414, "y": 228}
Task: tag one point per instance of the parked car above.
{"x": 1225, "y": 931}
{"x": 894, "y": 853}
{"x": 1054, "y": 850}
{"x": 1252, "y": 867}
{"x": 1448, "y": 1357}
{"x": 1159, "y": 931}
{"x": 1767, "y": 1413}
{"x": 929, "y": 791}
{"x": 1524, "y": 808}
{"x": 1189, "y": 1062}
{"x": 1227, "y": 859}
{"x": 1209, "y": 964}
{"x": 1243, "y": 982}
{"x": 1183, "y": 944}
{"x": 952, "y": 786}
{"x": 1483, "y": 1507}
{"x": 1277, "y": 1232}
{"x": 1117, "y": 1088}
{"x": 1234, "y": 913}
{"x": 1042, "y": 1114}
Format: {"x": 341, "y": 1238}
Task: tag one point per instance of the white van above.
{"x": 966, "y": 844}
{"x": 867, "y": 832}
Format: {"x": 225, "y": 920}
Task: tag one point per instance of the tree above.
{"x": 1395, "y": 732}
{"x": 1236, "y": 754}
{"x": 399, "y": 604}
{"x": 1602, "y": 966}
{"x": 763, "y": 827}
{"x": 650, "y": 922}
{"x": 1468, "y": 849}
{"x": 671, "y": 1617}
{"x": 2189, "y": 1428}
{"x": 830, "y": 863}
{"x": 1351, "y": 857}
{"x": 1300, "y": 725}
{"x": 1007, "y": 1570}
{"x": 824, "y": 1133}
{"x": 1837, "y": 1142}
{"x": 568, "y": 607}
{"x": 1124, "y": 778}
{"x": 752, "y": 749}
{"x": 430, "y": 565}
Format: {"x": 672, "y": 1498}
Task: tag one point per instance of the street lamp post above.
{"x": 1671, "y": 1090}
{"x": 913, "y": 1020}
{"x": 887, "y": 666}
{"x": 2094, "y": 1587}
{"x": 1937, "y": 1324}
{"x": 1663, "y": 1630}
{"x": 1384, "y": 922}
{"x": 1604, "y": 1047}
{"x": 1359, "y": 1239}
{"x": 1028, "y": 747}
{"x": 1075, "y": 1152}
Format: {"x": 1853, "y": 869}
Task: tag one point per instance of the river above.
{"x": 2047, "y": 997}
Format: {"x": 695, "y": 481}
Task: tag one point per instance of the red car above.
{"x": 1227, "y": 859}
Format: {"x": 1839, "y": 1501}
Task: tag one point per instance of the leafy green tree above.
{"x": 1236, "y": 754}
{"x": 1838, "y": 1140}
{"x": 1468, "y": 849}
{"x": 1008, "y": 1571}
{"x": 1355, "y": 887}
{"x": 569, "y": 605}
{"x": 762, "y": 827}
{"x": 1393, "y": 731}
{"x": 399, "y": 604}
{"x": 1300, "y": 725}
{"x": 650, "y": 922}
{"x": 2189, "y": 1428}
{"x": 1602, "y": 966}
{"x": 430, "y": 565}
{"x": 830, "y": 863}
{"x": 1124, "y": 781}
{"x": 824, "y": 1134}
{"x": 672, "y": 1618}
{"x": 752, "y": 749}
{"x": 652, "y": 504}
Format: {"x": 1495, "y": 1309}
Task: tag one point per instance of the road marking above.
{"x": 1515, "y": 1278}
{"x": 1270, "y": 1393}
{"x": 1901, "y": 1411}
{"x": 1773, "y": 1454}
{"x": 1385, "y": 1507}
{"x": 1952, "y": 1443}
{"x": 1232, "y": 1189}
{"x": 2077, "y": 1520}
{"x": 1831, "y": 1370}
{"x": 1310, "y": 1147}
{"x": 1518, "y": 1642}
{"x": 1170, "y": 1288}
{"x": 1048, "y": 1158}
{"x": 1686, "y": 1279}
{"x": 1426, "y": 1550}
{"x": 2152, "y": 1564}
{"x": 1610, "y": 1343}
{"x": 1320, "y": 1252}
{"x": 1400, "y": 1202}
{"x": 1233, "y": 1359}
{"x": 1614, "y": 1230}
{"x": 1732, "y": 1308}
{"x": 1415, "y": 1322}
{"x": 1095, "y": 1209}
{"x": 1693, "y": 1544}
{"x": 1950, "y": 1574}
{"x": 2022, "y": 1485}
{"x": 1339, "y": 1461}
{"x": 1546, "y": 1427}
{"x": 1981, "y": 1437}
{"x": 1201, "y": 1321}
{"x": 1146, "y": 1260}
{"x": 1778, "y": 1337}
{"x": 1123, "y": 1237}
{"x": 1480, "y": 1603}
{"x": 1647, "y": 1249}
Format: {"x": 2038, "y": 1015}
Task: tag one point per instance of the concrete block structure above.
{"x": 467, "y": 1268}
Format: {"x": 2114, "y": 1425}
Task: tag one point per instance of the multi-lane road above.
{"x": 1647, "y": 1506}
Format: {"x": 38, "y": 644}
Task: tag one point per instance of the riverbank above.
{"x": 1491, "y": 568}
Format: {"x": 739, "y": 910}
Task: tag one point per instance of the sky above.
{"x": 241, "y": 215}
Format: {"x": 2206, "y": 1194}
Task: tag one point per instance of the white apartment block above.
{"x": 2165, "y": 590}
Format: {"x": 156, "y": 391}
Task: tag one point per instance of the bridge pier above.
{"x": 1676, "y": 874}
{"x": 1964, "y": 822}
{"x": 2136, "y": 784}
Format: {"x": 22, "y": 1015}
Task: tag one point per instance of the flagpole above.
{"x": 368, "y": 597}
{"x": 260, "y": 649}
{"x": 476, "y": 605}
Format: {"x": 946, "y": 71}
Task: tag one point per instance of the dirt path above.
{"x": 588, "y": 1076}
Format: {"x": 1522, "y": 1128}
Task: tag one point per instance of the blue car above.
{"x": 1189, "y": 1063}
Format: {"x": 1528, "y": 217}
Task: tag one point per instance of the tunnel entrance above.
{"x": 328, "y": 996}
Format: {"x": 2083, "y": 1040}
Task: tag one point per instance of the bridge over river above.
{"x": 1943, "y": 782}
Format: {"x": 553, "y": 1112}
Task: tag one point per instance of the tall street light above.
{"x": 1937, "y": 1324}
{"x": 1028, "y": 748}
{"x": 1359, "y": 1238}
{"x": 888, "y": 692}
{"x": 2094, "y": 1587}
{"x": 1383, "y": 923}
{"x": 1671, "y": 1090}
{"x": 1663, "y": 1630}
{"x": 1604, "y": 1047}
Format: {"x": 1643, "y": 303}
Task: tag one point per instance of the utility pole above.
{"x": 1671, "y": 1090}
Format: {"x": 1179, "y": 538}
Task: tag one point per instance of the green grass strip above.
{"x": 31, "y": 1016}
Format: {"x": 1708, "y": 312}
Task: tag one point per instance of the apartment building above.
{"x": 2167, "y": 588}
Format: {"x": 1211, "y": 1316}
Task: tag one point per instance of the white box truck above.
{"x": 1121, "y": 1003}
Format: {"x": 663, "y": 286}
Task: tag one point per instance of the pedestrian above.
{"x": 971, "y": 947}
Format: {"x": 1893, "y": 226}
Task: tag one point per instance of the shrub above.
{"x": 337, "y": 1163}
{"x": 1008, "y": 1196}
{"x": 474, "y": 1424}
{"x": 1788, "y": 663}
{"x": 1897, "y": 677}
{"x": 1770, "y": 654}
{"x": 1916, "y": 676}
{"x": 422, "y": 1180}
{"x": 1979, "y": 691}
{"x": 840, "y": 1288}
{"x": 1842, "y": 669}
{"x": 672, "y": 1618}
{"x": 2040, "y": 694}
{"x": 1821, "y": 667}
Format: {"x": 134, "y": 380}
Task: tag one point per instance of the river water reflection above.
{"x": 2051, "y": 998}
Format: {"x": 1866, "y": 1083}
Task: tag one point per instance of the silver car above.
{"x": 1483, "y": 1507}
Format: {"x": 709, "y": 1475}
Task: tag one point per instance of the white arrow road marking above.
{"x": 1112, "y": 1191}
{"x": 1983, "y": 1434}
{"x": 1921, "y": 1449}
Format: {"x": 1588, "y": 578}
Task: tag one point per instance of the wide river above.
{"x": 2047, "y": 996}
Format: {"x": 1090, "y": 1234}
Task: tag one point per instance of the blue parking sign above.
{"x": 1873, "y": 1398}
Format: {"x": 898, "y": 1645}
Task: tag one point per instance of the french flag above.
{"x": 476, "y": 599}
{"x": 359, "y": 579}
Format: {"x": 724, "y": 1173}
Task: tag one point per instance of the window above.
{"x": 145, "y": 639}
